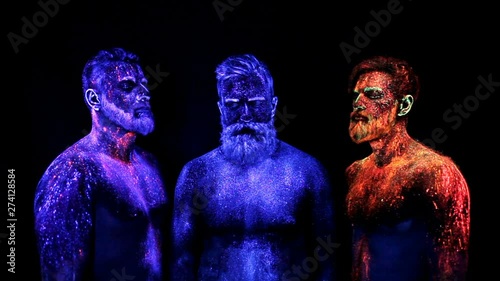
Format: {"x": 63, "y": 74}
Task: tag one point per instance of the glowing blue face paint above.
{"x": 245, "y": 100}
{"x": 255, "y": 207}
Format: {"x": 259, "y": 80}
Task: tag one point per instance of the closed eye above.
{"x": 127, "y": 85}
{"x": 374, "y": 94}
{"x": 231, "y": 104}
{"x": 255, "y": 103}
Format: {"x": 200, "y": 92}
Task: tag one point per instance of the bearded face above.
{"x": 125, "y": 99}
{"x": 248, "y": 143}
{"x": 374, "y": 108}
{"x": 247, "y": 111}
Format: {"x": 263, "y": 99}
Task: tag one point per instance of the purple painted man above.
{"x": 99, "y": 207}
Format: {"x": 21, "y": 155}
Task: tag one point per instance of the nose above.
{"x": 142, "y": 94}
{"x": 245, "y": 115}
{"x": 357, "y": 104}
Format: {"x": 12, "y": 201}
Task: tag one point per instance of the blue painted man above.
{"x": 99, "y": 207}
{"x": 254, "y": 208}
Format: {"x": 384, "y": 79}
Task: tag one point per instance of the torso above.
{"x": 130, "y": 208}
{"x": 392, "y": 210}
{"x": 254, "y": 220}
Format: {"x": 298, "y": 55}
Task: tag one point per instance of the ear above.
{"x": 405, "y": 105}
{"x": 92, "y": 99}
{"x": 219, "y": 105}
{"x": 274, "y": 104}
{"x": 222, "y": 112}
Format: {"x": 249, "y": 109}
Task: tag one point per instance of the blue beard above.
{"x": 248, "y": 143}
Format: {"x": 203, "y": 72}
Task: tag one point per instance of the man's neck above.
{"x": 114, "y": 141}
{"x": 394, "y": 144}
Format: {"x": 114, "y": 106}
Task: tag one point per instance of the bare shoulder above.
{"x": 208, "y": 159}
{"x": 200, "y": 166}
{"x": 355, "y": 167}
{"x": 76, "y": 157}
{"x": 72, "y": 172}
{"x": 289, "y": 151}
{"x": 293, "y": 155}
{"x": 78, "y": 165}
{"x": 427, "y": 159}
{"x": 439, "y": 176}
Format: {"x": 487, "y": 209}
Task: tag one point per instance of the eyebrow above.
{"x": 369, "y": 89}
{"x": 127, "y": 78}
{"x": 250, "y": 99}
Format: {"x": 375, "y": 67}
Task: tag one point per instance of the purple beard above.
{"x": 139, "y": 123}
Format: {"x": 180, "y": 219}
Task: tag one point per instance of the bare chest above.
{"x": 136, "y": 184}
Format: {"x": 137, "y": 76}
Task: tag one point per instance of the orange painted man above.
{"x": 409, "y": 205}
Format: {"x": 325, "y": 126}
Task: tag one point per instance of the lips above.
{"x": 142, "y": 111}
{"x": 245, "y": 131}
{"x": 356, "y": 117}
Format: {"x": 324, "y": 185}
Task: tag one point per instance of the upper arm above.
{"x": 187, "y": 208}
{"x": 323, "y": 205}
{"x": 63, "y": 220}
{"x": 324, "y": 226}
{"x": 450, "y": 198}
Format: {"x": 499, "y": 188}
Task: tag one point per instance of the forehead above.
{"x": 373, "y": 79}
{"x": 243, "y": 87}
{"x": 122, "y": 70}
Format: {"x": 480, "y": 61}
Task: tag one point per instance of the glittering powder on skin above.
{"x": 100, "y": 206}
{"x": 253, "y": 208}
{"x": 66, "y": 205}
{"x": 408, "y": 204}
{"x": 257, "y": 221}
{"x": 433, "y": 192}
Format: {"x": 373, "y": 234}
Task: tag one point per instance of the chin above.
{"x": 360, "y": 139}
{"x": 248, "y": 144}
{"x": 144, "y": 126}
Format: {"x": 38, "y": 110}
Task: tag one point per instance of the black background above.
{"x": 450, "y": 45}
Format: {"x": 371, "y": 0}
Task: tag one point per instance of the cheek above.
{"x": 231, "y": 116}
{"x": 387, "y": 118}
{"x": 119, "y": 100}
{"x": 380, "y": 109}
{"x": 380, "y": 124}
{"x": 262, "y": 114}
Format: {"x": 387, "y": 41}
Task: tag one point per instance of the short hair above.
{"x": 93, "y": 69}
{"x": 245, "y": 65}
{"x": 404, "y": 79}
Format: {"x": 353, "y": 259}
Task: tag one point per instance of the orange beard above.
{"x": 373, "y": 128}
